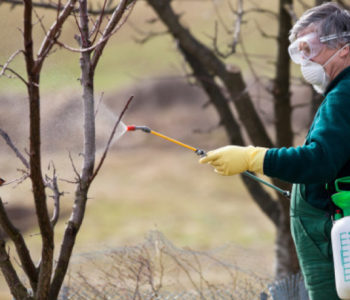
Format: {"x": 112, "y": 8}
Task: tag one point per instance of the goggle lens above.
{"x": 304, "y": 48}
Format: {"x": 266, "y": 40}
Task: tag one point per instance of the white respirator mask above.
{"x": 315, "y": 73}
{"x": 303, "y": 49}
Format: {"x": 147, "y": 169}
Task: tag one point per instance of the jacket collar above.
{"x": 335, "y": 81}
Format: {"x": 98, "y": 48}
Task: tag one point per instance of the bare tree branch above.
{"x": 74, "y": 168}
{"x": 40, "y": 20}
{"x": 263, "y": 33}
{"x": 148, "y": 36}
{"x": 8, "y": 141}
{"x": 290, "y": 9}
{"x": 222, "y": 22}
{"x": 53, "y": 33}
{"x": 17, "y": 288}
{"x": 262, "y": 11}
{"x": 216, "y": 49}
{"x": 112, "y": 26}
{"x": 16, "y": 74}
{"x": 236, "y": 34}
{"x": 78, "y": 211}
{"x": 97, "y": 26}
{"x": 38, "y": 187}
{"x": 11, "y": 58}
{"x": 237, "y": 30}
{"x": 21, "y": 247}
{"x": 98, "y": 47}
{"x": 228, "y": 75}
{"x": 51, "y": 183}
{"x": 58, "y": 7}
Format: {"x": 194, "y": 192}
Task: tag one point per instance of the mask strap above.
{"x": 329, "y": 59}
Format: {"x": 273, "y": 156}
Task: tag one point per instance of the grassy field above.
{"x": 166, "y": 190}
{"x": 148, "y": 184}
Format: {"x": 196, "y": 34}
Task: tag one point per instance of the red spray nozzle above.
{"x": 143, "y": 128}
{"x": 131, "y": 127}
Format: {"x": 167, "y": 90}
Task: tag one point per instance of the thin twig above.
{"x": 58, "y": 7}
{"x": 51, "y": 183}
{"x": 40, "y": 21}
{"x": 98, "y": 46}
{"x": 290, "y": 10}
{"x": 53, "y": 34}
{"x": 263, "y": 33}
{"x": 222, "y": 22}
{"x": 17, "y": 180}
{"x": 110, "y": 139}
{"x": 237, "y": 30}
{"x": 8, "y": 141}
{"x": 114, "y": 24}
{"x": 82, "y": 42}
{"x": 147, "y": 37}
{"x": 216, "y": 49}
{"x": 11, "y": 58}
{"x": 94, "y": 29}
{"x": 74, "y": 169}
{"x": 99, "y": 22}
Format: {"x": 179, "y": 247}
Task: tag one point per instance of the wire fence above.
{"x": 157, "y": 270}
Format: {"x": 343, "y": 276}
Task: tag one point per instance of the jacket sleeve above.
{"x": 326, "y": 150}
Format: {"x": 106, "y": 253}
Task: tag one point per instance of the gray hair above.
{"x": 331, "y": 22}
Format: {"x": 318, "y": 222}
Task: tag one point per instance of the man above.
{"x": 320, "y": 43}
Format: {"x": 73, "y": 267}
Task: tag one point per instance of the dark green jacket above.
{"x": 325, "y": 155}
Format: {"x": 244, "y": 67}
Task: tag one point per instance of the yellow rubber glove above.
{"x": 231, "y": 160}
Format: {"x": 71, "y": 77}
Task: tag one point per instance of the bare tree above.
{"x": 45, "y": 278}
{"x": 225, "y": 85}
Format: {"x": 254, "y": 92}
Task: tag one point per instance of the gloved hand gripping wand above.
{"x": 202, "y": 153}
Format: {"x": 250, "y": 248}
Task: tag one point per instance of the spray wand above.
{"x": 202, "y": 153}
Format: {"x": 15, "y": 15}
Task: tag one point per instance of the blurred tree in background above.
{"x": 230, "y": 94}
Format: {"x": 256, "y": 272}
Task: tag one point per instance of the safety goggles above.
{"x": 305, "y": 48}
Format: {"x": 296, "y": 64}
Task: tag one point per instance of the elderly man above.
{"x": 320, "y": 42}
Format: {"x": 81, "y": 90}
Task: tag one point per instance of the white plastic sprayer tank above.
{"x": 341, "y": 256}
{"x": 341, "y": 242}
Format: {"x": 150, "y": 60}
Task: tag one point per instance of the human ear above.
{"x": 345, "y": 51}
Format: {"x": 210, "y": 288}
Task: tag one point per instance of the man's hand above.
{"x": 231, "y": 160}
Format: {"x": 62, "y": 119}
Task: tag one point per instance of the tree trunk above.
{"x": 287, "y": 261}
{"x": 46, "y": 231}
{"x": 281, "y": 92}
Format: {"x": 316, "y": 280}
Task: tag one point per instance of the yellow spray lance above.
{"x": 202, "y": 153}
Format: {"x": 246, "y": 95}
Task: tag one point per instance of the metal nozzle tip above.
{"x": 201, "y": 152}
